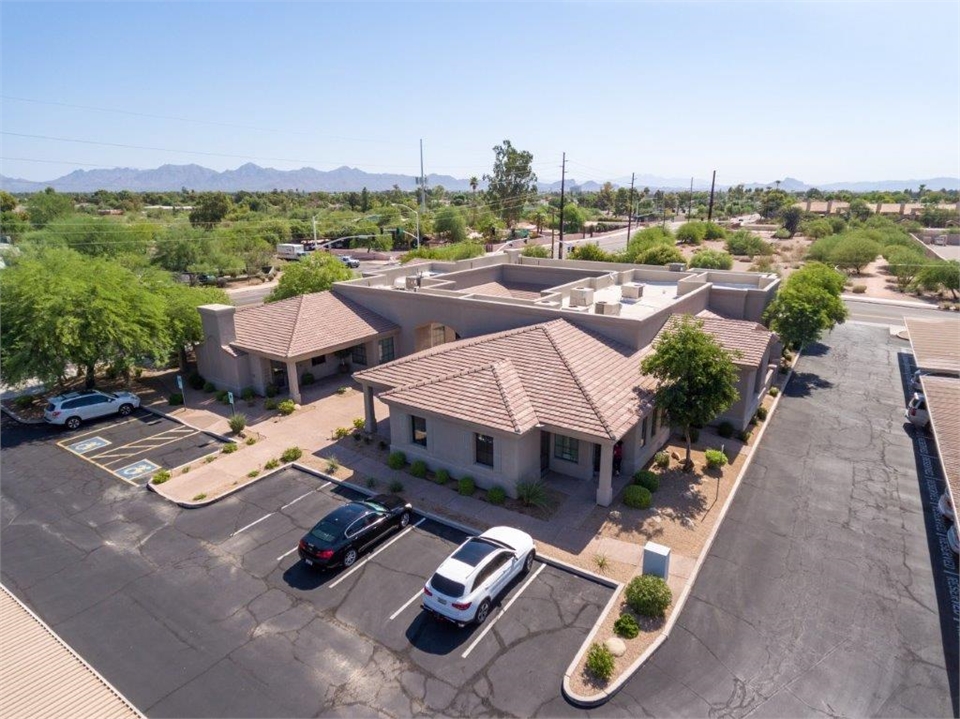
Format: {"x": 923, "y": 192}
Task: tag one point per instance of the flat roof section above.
{"x": 43, "y": 678}
{"x": 943, "y": 403}
{"x": 936, "y": 343}
{"x": 654, "y": 296}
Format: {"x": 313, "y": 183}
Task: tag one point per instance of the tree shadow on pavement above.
{"x": 803, "y": 384}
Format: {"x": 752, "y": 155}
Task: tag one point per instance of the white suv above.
{"x": 74, "y": 408}
{"x": 465, "y": 586}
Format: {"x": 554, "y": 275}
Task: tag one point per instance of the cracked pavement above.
{"x": 205, "y": 613}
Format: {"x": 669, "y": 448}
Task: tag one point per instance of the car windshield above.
{"x": 475, "y": 550}
{"x": 446, "y": 586}
{"x": 376, "y": 506}
{"x": 326, "y": 531}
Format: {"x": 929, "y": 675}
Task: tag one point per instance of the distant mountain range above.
{"x": 343, "y": 179}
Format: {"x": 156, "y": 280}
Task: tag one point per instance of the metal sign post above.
{"x": 230, "y": 397}
{"x": 183, "y": 394}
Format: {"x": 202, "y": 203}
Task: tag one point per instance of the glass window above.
{"x": 439, "y": 335}
{"x": 387, "y": 352}
{"x": 643, "y": 432}
{"x": 654, "y": 417}
{"x": 322, "y": 359}
{"x": 484, "y": 449}
{"x": 359, "y": 354}
{"x": 566, "y": 448}
{"x": 418, "y": 430}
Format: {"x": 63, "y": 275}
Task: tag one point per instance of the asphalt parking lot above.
{"x": 134, "y": 447}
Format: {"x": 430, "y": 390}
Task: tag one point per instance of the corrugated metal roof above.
{"x": 936, "y": 343}
{"x": 943, "y": 403}
{"x": 43, "y": 678}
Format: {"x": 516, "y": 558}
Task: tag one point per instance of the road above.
{"x": 891, "y": 314}
{"x": 824, "y": 593}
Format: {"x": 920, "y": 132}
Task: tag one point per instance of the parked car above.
{"x": 342, "y": 535}
{"x": 351, "y": 262}
{"x": 916, "y": 412}
{"x": 465, "y": 586}
{"x": 74, "y": 408}
{"x": 915, "y": 384}
{"x": 952, "y": 539}
{"x": 946, "y": 508}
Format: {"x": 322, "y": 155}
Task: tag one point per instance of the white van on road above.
{"x": 291, "y": 251}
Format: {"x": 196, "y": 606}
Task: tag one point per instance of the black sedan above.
{"x": 339, "y": 537}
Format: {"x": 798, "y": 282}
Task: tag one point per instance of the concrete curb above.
{"x": 10, "y": 413}
{"x": 606, "y": 694}
{"x": 206, "y": 502}
{"x": 895, "y": 303}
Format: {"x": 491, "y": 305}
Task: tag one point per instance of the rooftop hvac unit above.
{"x": 412, "y": 282}
{"x": 581, "y": 297}
{"x": 676, "y": 266}
{"x": 608, "y": 308}
{"x": 632, "y": 291}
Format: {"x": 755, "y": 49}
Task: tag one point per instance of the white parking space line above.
{"x": 251, "y": 524}
{"x": 305, "y": 494}
{"x": 357, "y": 566}
{"x": 502, "y": 612}
{"x": 406, "y": 604}
{"x": 287, "y": 554}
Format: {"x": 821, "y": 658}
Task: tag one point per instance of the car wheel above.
{"x": 73, "y": 423}
{"x": 528, "y": 562}
{"x": 125, "y": 409}
{"x": 350, "y": 557}
{"x": 404, "y": 520}
{"x": 483, "y": 611}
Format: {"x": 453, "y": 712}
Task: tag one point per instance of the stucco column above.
{"x": 605, "y": 488}
{"x": 369, "y": 413}
{"x": 293, "y": 381}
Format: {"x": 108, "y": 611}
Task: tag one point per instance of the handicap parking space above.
{"x": 135, "y": 447}
{"x": 534, "y": 631}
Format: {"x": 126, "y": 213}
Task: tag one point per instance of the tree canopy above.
{"x": 315, "y": 273}
{"x": 210, "y": 209}
{"x": 512, "y": 183}
{"x": 807, "y": 305}
{"x": 696, "y": 377}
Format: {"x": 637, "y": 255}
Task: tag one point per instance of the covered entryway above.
{"x": 433, "y": 334}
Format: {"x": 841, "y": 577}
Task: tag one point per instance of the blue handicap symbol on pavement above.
{"x": 137, "y": 469}
{"x": 88, "y": 444}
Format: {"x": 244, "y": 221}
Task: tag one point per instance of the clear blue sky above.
{"x": 818, "y": 91}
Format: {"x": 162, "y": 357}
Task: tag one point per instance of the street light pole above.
{"x": 404, "y": 207}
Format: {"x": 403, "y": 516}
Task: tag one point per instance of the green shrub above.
{"x": 744, "y": 242}
{"x": 761, "y": 413}
{"x": 715, "y": 458}
{"x": 714, "y": 231}
{"x": 659, "y": 255}
{"x": 859, "y": 289}
{"x": 782, "y": 233}
{"x": 600, "y": 662}
{"x": 726, "y": 430}
{"x": 209, "y": 387}
{"x": 270, "y": 403}
{"x": 196, "y": 381}
{"x": 711, "y": 260}
{"x": 342, "y": 390}
{"x": 396, "y": 486}
{"x": 692, "y": 233}
{"x": 251, "y": 441}
{"x": 307, "y": 379}
{"x": 441, "y": 476}
{"x": 221, "y": 395}
{"x": 175, "y": 399}
{"x": 271, "y": 390}
{"x": 419, "y": 469}
{"x": 253, "y": 473}
{"x": 291, "y": 454}
{"x": 200, "y": 497}
{"x": 774, "y": 391}
{"x": 396, "y": 460}
{"x": 662, "y": 459}
{"x": 496, "y": 494}
{"x": 332, "y": 465}
{"x": 160, "y": 477}
{"x": 371, "y": 482}
{"x": 359, "y": 423}
{"x": 466, "y": 486}
{"x": 185, "y": 469}
{"x": 286, "y": 407}
{"x": 744, "y": 435}
{"x": 646, "y": 478}
{"x": 238, "y": 422}
{"x": 626, "y": 626}
{"x": 648, "y": 596}
{"x": 535, "y": 251}
{"x": 532, "y": 494}
{"x": 248, "y": 393}
{"x": 637, "y": 497}
{"x": 272, "y": 464}
{"x": 341, "y": 432}
{"x": 229, "y": 448}
{"x": 27, "y": 400}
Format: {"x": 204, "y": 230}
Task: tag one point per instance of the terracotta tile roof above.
{"x": 553, "y": 373}
{"x": 936, "y": 343}
{"x": 751, "y": 339}
{"x": 307, "y": 324}
{"x": 943, "y": 403}
{"x": 42, "y": 677}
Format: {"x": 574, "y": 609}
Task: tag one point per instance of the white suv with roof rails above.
{"x": 74, "y": 408}
{"x": 468, "y": 582}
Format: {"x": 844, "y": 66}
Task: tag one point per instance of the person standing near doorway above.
{"x": 617, "y": 457}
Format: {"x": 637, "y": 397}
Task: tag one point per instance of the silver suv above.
{"x": 74, "y": 408}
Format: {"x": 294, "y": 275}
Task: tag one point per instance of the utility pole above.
{"x": 713, "y": 184}
{"x": 423, "y": 186}
{"x": 563, "y": 177}
{"x": 630, "y": 207}
{"x": 690, "y": 204}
